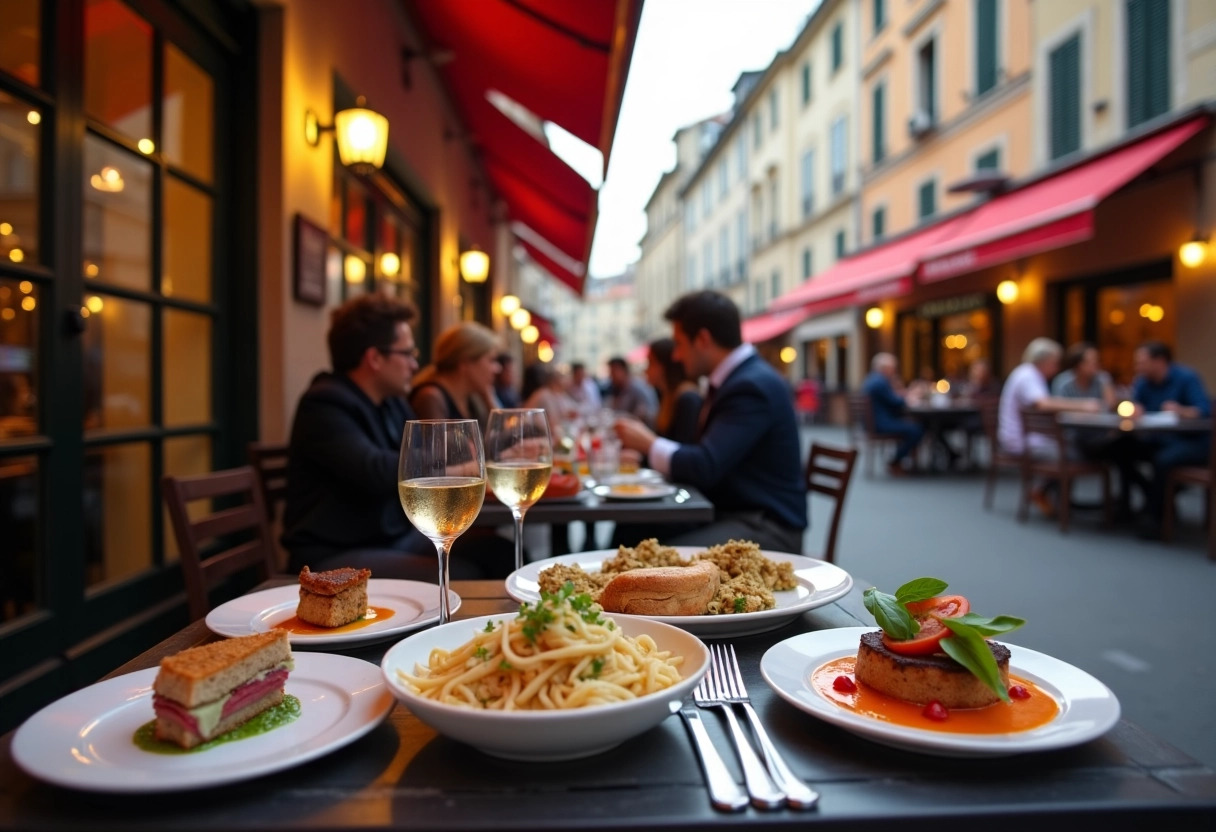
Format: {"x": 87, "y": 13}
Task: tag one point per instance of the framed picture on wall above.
{"x": 312, "y": 243}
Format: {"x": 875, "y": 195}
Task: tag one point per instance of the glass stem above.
{"x": 445, "y": 611}
{"x": 518, "y": 514}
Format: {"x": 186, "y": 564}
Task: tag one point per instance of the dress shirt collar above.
{"x": 727, "y": 365}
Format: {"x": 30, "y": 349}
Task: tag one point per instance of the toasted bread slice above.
{"x": 663, "y": 590}
{"x": 333, "y": 581}
{"x": 203, "y": 674}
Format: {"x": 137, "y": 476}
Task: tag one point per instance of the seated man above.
{"x": 1026, "y": 387}
{"x": 629, "y": 394}
{"x": 342, "y": 507}
{"x": 1164, "y": 386}
{"x": 747, "y": 460}
{"x": 888, "y": 409}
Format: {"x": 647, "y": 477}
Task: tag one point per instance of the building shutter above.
{"x": 880, "y": 222}
{"x": 927, "y": 200}
{"x": 1065, "y": 84}
{"x": 985, "y": 45}
{"x": 1148, "y": 59}
{"x": 989, "y": 161}
{"x": 837, "y": 47}
{"x": 880, "y": 142}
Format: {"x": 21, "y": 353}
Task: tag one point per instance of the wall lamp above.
{"x": 362, "y": 136}
{"x": 1007, "y": 291}
{"x": 1193, "y": 252}
{"x": 474, "y": 265}
{"x": 875, "y": 317}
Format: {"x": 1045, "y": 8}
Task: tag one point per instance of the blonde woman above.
{"x": 459, "y": 384}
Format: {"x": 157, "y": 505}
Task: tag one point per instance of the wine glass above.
{"x": 441, "y": 479}
{"x": 519, "y": 459}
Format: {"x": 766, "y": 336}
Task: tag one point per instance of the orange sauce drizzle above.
{"x": 373, "y": 614}
{"x": 999, "y": 718}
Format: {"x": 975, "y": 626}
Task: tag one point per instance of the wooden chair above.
{"x": 861, "y": 416}
{"x": 997, "y": 459}
{"x": 201, "y": 567}
{"x": 831, "y": 480}
{"x": 1202, "y": 477}
{"x": 1059, "y": 468}
{"x": 269, "y": 463}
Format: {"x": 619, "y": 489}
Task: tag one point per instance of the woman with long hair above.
{"x": 679, "y": 399}
{"x": 459, "y": 383}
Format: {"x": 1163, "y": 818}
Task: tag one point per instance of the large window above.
{"x": 808, "y": 263}
{"x": 1064, "y": 84}
{"x": 773, "y": 115}
{"x": 806, "y": 82}
{"x": 987, "y": 40}
{"x": 724, "y": 252}
{"x": 880, "y": 15}
{"x": 926, "y": 83}
{"x": 1148, "y": 59}
{"x": 124, "y": 258}
{"x": 837, "y": 46}
{"x": 926, "y": 200}
{"x": 878, "y": 223}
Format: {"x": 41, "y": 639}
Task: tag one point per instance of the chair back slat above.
{"x": 1042, "y": 422}
{"x": 269, "y": 462}
{"x": 202, "y": 573}
{"x": 829, "y": 471}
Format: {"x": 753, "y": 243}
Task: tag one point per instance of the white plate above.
{"x": 634, "y": 491}
{"x": 84, "y": 741}
{"x": 414, "y": 604}
{"x": 1088, "y": 709}
{"x": 640, "y": 475}
{"x": 545, "y": 735}
{"x": 819, "y": 583}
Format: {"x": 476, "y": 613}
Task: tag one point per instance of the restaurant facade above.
{"x": 176, "y": 225}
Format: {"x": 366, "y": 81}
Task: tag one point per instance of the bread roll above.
{"x": 663, "y": 590}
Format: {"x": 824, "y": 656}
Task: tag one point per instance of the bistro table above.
{"x": 686, "y": 505}
{"x": 1139, "y": 424}
{"x": 403, "y": 775}
{"x": 938, "y": 419}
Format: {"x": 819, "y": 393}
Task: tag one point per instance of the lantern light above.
{"x": 354, "y": 269}
{"x": 875, "y": 317}
{"x": 507, "y": 304}
{"x": 390, "y": 264}
{"x": 520, "y": 318}
{"x": 362, "y": 136}
{"x": 1193, "y": 252}
{"x": 1007, "y": 291}
{"x": 529, "y": 334}
{"x": 474, "y": 265}
{"x": 788, "y": 354}
{"x": 544, "y": 351}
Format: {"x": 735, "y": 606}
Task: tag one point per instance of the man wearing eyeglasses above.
{"x": 342, "y": 506}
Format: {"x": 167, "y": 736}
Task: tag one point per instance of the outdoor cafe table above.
{"x": 1135, "y": 425}
{"x": 686, "y": 505}
{"x": 938, "y": 419}
{"x": 402, "y": 775}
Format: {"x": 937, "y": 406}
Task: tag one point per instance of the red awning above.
{"x": 1052, "y": 212}
{"x": 566, "y": 63}
{"x": 761, "y": 328}
{"x": 545, "y": 327}
{"x": 881, "y": 272}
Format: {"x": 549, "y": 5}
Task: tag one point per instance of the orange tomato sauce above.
{"x": 1000, "y": 718}
{"x": 373, "y": 614}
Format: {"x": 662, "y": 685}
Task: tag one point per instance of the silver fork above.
{"x": 760, "y": 786}
{"x": 799, "y": 794}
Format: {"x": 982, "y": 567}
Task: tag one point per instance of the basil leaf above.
{"x": 890, "y": 614}
{"x": 920, "y": 589}
{"x": 968, "y": 648}
{"x": 991, "y": 626}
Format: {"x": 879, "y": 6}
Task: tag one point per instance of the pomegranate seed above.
{"x": 844, "y": 684}
{"x": 936, "y": 711}
{"x": 1019, "y": 692}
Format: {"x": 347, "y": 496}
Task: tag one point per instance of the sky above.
{"x": 687, "y": 56}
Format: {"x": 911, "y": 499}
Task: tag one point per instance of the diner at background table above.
{"x": 403, "y": 775}
{"x": 747, "y": 459}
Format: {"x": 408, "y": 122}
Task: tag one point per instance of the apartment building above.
{"x": 660, "y": 268}
{"x": 603, "y": 324}
{"x": 1032, "y": 169}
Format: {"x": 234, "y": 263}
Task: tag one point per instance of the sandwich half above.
{"x": 206, "y": 691}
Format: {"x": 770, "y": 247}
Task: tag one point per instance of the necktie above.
{"x": 705, "y": 406}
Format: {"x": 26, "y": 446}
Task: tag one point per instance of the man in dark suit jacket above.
{"x": 747, "y": 461}
{"x": 888, "y": 408}
{"x": 342, "y": 507}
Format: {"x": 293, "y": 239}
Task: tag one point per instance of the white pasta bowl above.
{"x": 545, "y": 735}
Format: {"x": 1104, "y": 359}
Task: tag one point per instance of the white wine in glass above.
{"x": 441, "y": 480}
{"x": 519, "y": 460}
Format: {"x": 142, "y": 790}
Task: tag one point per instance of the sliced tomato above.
{"x": 928, "y": 615}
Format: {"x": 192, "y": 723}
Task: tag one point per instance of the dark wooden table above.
{"x": 402, "y": 775}
{"x": 687, "y": 505}
{"x": 1113, "y": 421}
{"x": 939, "y": 419}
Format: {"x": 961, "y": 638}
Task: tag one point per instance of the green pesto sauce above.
{"x": 286, "y": 711}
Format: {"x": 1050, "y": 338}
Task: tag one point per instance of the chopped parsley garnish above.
{"x": 489, "y": 627}
{"x": 740, "y": 604}
{"x": 504, "y": 665}
{"x": 539, "y": 615}
{"x": 597, "y": 667}
{"x": 482, "y": 653}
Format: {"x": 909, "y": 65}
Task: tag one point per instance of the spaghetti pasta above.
{"x": 558, "y": 653}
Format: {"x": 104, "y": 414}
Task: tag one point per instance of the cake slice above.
{"x": 334, "y": 597}
{"x": 206, "y": 691}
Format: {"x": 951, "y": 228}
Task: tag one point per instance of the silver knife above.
{"x": 724, "y": 793}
